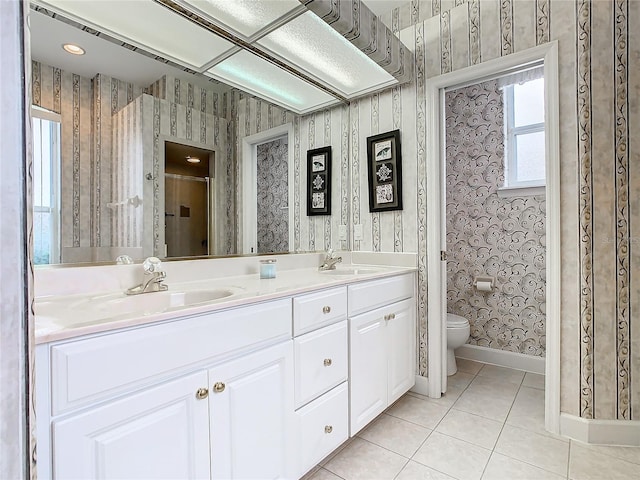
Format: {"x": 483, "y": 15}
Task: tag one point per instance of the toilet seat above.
{"x": 456, "y": 321}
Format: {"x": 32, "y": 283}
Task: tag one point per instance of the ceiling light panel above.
{"x": 244, "y": 17}
{"x": 146, "y": 24}
{"x": 313, "y": 46}
{"x": 263, "y": 79}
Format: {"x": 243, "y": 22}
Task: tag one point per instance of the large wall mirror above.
{"x": 127, "y": 109}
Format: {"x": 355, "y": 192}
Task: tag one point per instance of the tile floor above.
{"x": 489, "y": 425}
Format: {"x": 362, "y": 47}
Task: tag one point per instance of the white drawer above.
{"x": 321, "y": 361}
{"x": 85, "y": 371}
{"x": 319, "y": 309}
{"x": 367, "y": 296}
{"x": 322, "y": 427}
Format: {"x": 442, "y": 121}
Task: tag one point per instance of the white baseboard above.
{"x": 502, "y": 358}
{"x": 601, "y": 432}
{"x": 421, "y": 386}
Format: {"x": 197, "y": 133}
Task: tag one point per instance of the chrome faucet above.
{"x": 153, "y": 278}
{"x": 330, "y": 260}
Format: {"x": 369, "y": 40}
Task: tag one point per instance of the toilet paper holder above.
{"x": 484, "y": 283}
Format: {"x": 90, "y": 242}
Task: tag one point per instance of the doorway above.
{"x": 188, "y": 200}
{"x": 546, "y": 56}
{"x": 268, "y": 169}
{"x": 272, "y": 196}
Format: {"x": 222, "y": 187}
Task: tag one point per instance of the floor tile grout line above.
{"x": 569, "y": 460}
{"x": 528, "y": 431}
{"x": 403, "y": 467}
{"x": 432, "y": 468}
{"x": 493, "y": 450}
{"x": 332, "y": 473}
{"x": 389, "y": 450}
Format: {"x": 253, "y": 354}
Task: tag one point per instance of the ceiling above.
{"x": 274, "y": 49}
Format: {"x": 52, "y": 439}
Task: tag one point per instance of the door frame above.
{"x": 248, "y": 209}
{"x": 436, "y": 241}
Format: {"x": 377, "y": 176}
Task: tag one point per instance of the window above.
{"x": 524, "y": 135}
{"x": 46, "y": 186}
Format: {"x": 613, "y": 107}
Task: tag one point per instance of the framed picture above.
{"x": 319, "y": 181}
{"x": 384, "y": 161}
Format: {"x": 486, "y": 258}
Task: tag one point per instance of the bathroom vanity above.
{"x": 261, "y": 384}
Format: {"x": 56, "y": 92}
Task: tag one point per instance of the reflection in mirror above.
{"x": 188, "y": 199}
{"x": 115, "y": 180}
{"x": 272, "y": 172}
{"x": 46, "y": 186}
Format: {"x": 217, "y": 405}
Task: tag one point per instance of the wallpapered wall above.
{"x": 273, "y": 196}
{"x": 141, "y": 128}
{"x": 489, "y": 235}
{"x": 319, "y": 129}
{"x": 599, "y": 164}
{"x": 86, "y": 107}
{"x": 89, "y": 177}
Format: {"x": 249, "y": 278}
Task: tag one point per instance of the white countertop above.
{"x": 60, "y": 317}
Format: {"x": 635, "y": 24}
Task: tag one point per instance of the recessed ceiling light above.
{"x": 193, "y": 160}
{"x": 73, "y": 49}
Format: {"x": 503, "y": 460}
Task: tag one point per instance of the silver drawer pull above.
{"x": 390, "y": 316}
{"x": 327, "y": 362}
{"x": 328, "y": 429}
{"x": 326, "y": 309}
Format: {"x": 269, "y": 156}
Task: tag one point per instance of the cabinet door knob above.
{"x": 218, "y": 387}
{"x": 326, "y": 309}
{"x": 390, "y": 316}
{"x": 328, "y": 429}
{"x": 202, "y": 393}
{"x": 327, "y": 362}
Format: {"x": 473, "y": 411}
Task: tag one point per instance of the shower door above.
{"x": 186, "y": 215}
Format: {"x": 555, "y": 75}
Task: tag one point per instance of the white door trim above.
{"x": 249, "y": 194}
{"x": 435, "y": 87}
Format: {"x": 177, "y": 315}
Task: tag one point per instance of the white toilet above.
{"x": 457, "y": 335}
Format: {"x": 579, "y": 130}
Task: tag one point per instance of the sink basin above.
{"x": 155, "y": 302}
{"x": 350, "y": 271}
{"x": 117, "y": 306}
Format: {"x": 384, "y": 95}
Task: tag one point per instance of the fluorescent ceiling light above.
{"x": 263, "y": 79}
{"x": 316, "y": 48}
{"x": 245, "y": 17}
{"x": 193, "y": 159}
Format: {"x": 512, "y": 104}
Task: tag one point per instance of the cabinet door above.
{"x": 251, "y": 406}
{"x": 401, "y": 348}
{"x": 161, "y": 433}
{"x": 368, "y": 368}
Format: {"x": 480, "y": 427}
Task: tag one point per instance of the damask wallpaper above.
{"x": 489, "y": 235}
{"x": 273, "y": 196}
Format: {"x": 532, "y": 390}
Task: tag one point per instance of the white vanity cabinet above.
{"x": 382, "y": 346}
{"x": 265, "y": 390}
{"x": 203, "y": 397}
{"x": 321, "y": 371}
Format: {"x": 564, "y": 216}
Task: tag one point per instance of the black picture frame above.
{"x": 319, "y": 181}
{"x": 384, "y": 166}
